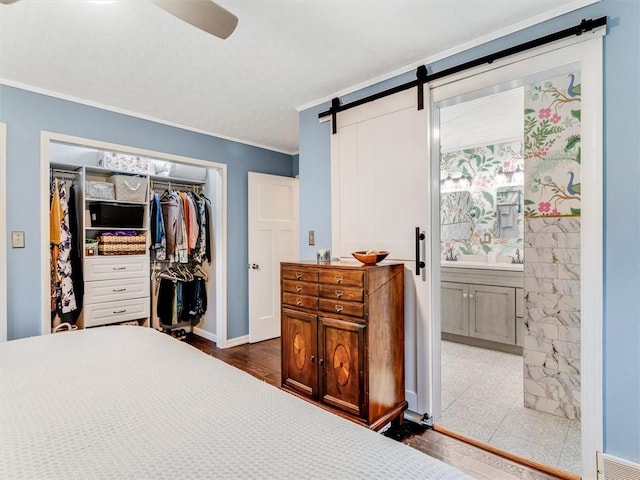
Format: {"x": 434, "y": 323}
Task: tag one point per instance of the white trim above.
{"x": 543, "y": 17}
{"x": 234, "y": 342}
{"x": 587, "y": 56}
{"x": 220, "y": 206}
{"x": 591, "y": 256}
{"x": 3, "y": 232}
{"x": 204, "y": 334}
{"x": 130, "y": 113}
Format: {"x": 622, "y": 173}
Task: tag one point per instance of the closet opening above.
{"x": 135, "y": 237}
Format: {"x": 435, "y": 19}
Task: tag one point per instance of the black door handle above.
{"x": 419, "y": 263}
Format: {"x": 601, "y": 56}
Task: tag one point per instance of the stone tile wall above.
{"x": 552, "y": 315}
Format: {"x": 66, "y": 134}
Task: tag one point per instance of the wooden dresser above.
{"x": 343, "y": 338}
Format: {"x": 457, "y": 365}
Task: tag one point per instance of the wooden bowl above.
{"x": 370, "y": 257}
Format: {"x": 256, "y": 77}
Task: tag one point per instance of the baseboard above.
{"x": 204, "y": 334}
{"x": 234, "y": 342}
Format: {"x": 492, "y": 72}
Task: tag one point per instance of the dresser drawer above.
{"x": 351, "y": 294}
{"x": 302, "y": 274}
{"x": 111, "y": 268}
{"x": 353, "y": 309}
{"x": 112, "y": 290}
{"x": 301, "y": 288}
{"x": 303, "y": 301}
{"x": 348, "y": 278}
{"x": 114, "y": 312}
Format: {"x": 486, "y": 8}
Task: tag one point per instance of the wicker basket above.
{"x": 122, "y": 245}
{"x": 129, "y": 188}
{"x": 126, "y": 240}
{"x": 122, "y": 248}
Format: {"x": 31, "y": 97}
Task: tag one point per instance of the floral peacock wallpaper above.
{"x": 552, "y": 147}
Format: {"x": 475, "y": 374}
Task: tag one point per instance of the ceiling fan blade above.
{"x": 204, "y": 14}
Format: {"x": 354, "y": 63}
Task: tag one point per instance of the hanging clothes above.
{"x": 200, "y": 248}
{"x": 181, "y": 301}
{"x": 75, "y": 256}
{"x": 55, "y": 226}
{"x": 171, "y": 207}
{"x": 158, "y": 235}
{"x": 65, "y": 299}
{"x": 208, "y": 229}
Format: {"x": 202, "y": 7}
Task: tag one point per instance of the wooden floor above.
{"x": 262, "y": 360}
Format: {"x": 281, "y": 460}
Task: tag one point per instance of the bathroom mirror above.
{"x": 482, "y": 177}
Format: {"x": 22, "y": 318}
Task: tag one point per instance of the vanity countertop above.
{"x": 512, "y": 267}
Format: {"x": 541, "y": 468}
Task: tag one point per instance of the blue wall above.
{"x": 27, "y": 113}
{"x": 621, "y": 336}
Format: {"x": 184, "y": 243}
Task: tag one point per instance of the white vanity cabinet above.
{"x": 480, "y": 306}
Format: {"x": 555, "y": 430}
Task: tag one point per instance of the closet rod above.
{"x": 422, "y": 78}
{"x": 179, "y": 186}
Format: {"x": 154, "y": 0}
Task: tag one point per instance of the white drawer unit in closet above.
{"x": 116, "y": 289}
{"x": 115, "y": 267}
{"x": 115, "y": 312}
{"x": 113, "y": 290}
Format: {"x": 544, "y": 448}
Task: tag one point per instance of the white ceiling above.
{"x": 131, "y": 56}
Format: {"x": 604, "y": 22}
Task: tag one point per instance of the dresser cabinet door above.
{"x": 341, "y": 365}
{"x": 299, "y": 357}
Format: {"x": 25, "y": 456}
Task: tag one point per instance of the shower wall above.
{"x": 552, "y": 246}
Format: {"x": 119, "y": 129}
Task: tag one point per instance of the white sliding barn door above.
{"x": 273, "y": 238}
{"x": 380, "y": 194}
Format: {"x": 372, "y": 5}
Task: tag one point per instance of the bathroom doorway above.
{"x": 513, "y": 226}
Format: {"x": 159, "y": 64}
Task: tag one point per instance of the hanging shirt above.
{"x": 200, "y": 250}
{"x": 170, "y": 207}
{"x": 67, "y": 300}
{"x": 75, "y": 259}
{"x": 55, "y": 225}
{"x": 158, "y": 236}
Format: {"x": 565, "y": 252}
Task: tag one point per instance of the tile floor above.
{"x": 482, "y": 398}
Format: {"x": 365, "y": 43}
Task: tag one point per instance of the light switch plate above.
{"x": 312, "y": 237}
{"x": 17, "y": 239}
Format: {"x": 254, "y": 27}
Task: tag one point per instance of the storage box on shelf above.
{"x": 130, "y": 188}
{"x": 100, "y": 190}
{"x": 123, "y": 163}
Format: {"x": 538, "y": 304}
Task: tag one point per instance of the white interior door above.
{"x": 380, "y": 194}
{"x": 273, "y": 238}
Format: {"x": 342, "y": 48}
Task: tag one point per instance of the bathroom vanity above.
{"x": 483, "y": 304}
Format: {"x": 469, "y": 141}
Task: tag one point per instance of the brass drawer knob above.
{"x": 298, "y": 275}
{"x": 298, "y": 288}
{"x": 339, "y": 293}
{"x": 338, "y": 278}
{"x": 298, "y": 301}
{"x": 339, "y": 308}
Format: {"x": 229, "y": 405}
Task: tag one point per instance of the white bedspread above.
{"x": 129, "y": 402}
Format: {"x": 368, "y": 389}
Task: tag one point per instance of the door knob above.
{"x": 255, "y": 266}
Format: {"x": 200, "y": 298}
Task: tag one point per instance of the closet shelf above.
{"x": 104, "y": 200}
{"x": 185, "y": 181}
{"x": 93, "y": 258}
{"x": 108, "y": 229}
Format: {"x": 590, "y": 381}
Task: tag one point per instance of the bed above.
{"x": 130, "y": 402}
